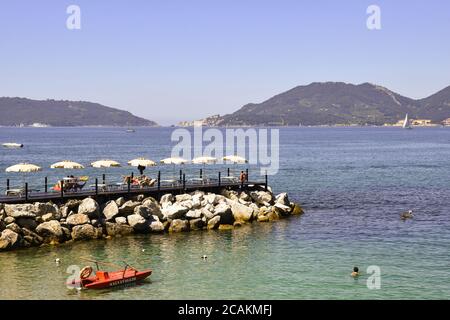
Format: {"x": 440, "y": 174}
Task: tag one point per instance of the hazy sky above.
{"x": 172, "y": 60}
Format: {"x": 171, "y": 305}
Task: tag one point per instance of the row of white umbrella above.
{"x": 67, "y": 164}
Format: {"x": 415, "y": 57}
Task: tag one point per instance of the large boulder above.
{"x": 156, "y": 226}
{"x": 9, "y": 239}
{"x": 214, "y": 223}
{"x": 194, "y": 214}
{"x": 196, "y": 224}
{"x": 179, "y": 225}
{"x": 283, "y": 199}
{"x": 264, "y": 198}
{"x": 51, "y": 231}
{"x": 211, "y": 198}
{"x": 224, "y": 211}
{"x": 84, "y": 232}
{"x": 166, "y": 198}
{"x": 282, "y": 209}
{"x": 120, "y": 201}
{"x": 89, "y": 207}
{"x": 183, "y": 197}
{"x": 121, "y": 220}
{"x": 111, "y": 210}
{"x": 175, "y": 211}
{"x": 14, "y": 227}
{"x": 115, "y": 229}
{"x": 207, "y": 214}
{"x": 128, "y": 207}
{"x": 77, "y": 219}
{"x": 20, "y": 210}
{"x": 241, "y": 212}
{"x": 73, "y": 204}
{"x": 28, "y": 223}
{"x": 9, "y": 220}
{"x": 143, "y": 211}
{"x": 153, "y": 206}
{"x": 296, "y": 209}
{"x": 48, "y": 208}
{"x": 138, "y": 223}
{"x": 197, "y": 201}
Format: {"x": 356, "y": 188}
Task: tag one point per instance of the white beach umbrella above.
{"x": 23, "y": 168}
{"x": 105, "y": 164}
{"x": 67, "y": 164}
{"x": 204, "y": 160}
{"x": 174, "y": 160}
{"x": 141, "y": 162}
{"x": 235, "y": 159}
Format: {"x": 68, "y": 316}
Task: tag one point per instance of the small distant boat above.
{"x": 108, "y": 279}
{"x": 131, "y": 130}
{"x": 12, "y": 145}
{"x": 406, "y": 124}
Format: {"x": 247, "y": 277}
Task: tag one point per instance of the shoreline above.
{"x": 37, "y": 224}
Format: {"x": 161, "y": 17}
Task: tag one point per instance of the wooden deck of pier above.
{"x": 114, "y": 193}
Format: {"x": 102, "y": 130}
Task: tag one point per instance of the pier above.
{"x": 104, "y": 192}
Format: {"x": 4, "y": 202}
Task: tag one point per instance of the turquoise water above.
{"x": 353, "y": 183}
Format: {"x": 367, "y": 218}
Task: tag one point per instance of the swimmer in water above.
{"x": 355, "y": 272}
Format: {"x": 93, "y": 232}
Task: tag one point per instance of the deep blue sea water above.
{"x": 352, "y": 182}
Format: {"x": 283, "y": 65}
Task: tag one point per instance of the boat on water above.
{"x": 107, "y": 279}
{"x": 406, "y": 124}
{"x": 12, "y": 145}
{"x": 131, "y": 130}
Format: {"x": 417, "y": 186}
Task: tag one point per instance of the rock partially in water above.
{"x": 213, "y": 223}
{"x": 9, "y": 239}
{"x": 241, "y": 213}
{"x": 114, "y": 229}
{"x": 50, "y": 231}
{"x": 179, "y": 225}
{"x": 83, "y": 232}
{"x": 224, "y": 211}
{"x": 196, "y": 224}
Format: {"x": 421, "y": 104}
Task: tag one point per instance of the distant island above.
{"x": 64, "y": 113}
{"x": 336, "y": 103}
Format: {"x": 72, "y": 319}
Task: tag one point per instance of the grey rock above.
{"x": 156, "y": 226}
{"x": 183, "y": 197}
{"x": 114, "y": 229}
{"x": 121, "y": 220}
{"x": 194, "y": 214}
{"x": 128, "y": 207}
{"x": 28, "y": 223}
{"x": 9, "y": 239}
{"x": 14, "y": 227}
{"x": 77, "y": 219}
{"x": 224, "y": 211}
{"x": 83, "y": 232}
{"x": 283, "y": 199}
{"x": 175, "y": 211}
{"x": 241, "y": 212}
{"x": 9, "y": 220}
{"x": 166, "y": 198}
{"x": 214, "y": 223}
{"x": 111, "y": 210}
{"x": 179, "y": 225}
{"x": 153, "y": 207}
{"x": 138, "y": 223}
{"x": 196, "y": 224}
{"x": 89, "y": 207}
{"x": 51, "y": 231}
{"x": 143, "y": 211}
{"x": 120, "y": 201}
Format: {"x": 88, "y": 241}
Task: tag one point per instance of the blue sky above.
{"x": 186, "y": 59}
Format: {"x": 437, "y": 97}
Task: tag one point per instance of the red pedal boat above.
{"x": 108, "y": 279}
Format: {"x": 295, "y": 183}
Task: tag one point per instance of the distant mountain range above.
{"x": 17, "y": 111}
{"x": 335, "y": 103}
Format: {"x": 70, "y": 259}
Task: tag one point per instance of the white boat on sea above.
{"x": 12, "y": 145}
{"x": 406, "y": 124}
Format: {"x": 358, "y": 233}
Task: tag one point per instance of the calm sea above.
{"x": 352, "y": 182}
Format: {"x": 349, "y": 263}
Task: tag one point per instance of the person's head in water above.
{"x": 355, "y": 272}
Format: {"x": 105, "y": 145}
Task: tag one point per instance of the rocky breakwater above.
{"x": 35, "y": 224}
